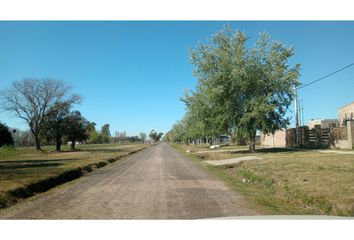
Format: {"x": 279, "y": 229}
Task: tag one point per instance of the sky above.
{"x": 132, "y": 74}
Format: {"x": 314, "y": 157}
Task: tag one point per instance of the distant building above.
{"x": 346, "y": 113}
{"x": 221, "y": 139}
{"x": 322, "y": 123}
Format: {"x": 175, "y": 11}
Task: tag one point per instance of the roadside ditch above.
{"x": 16, "y": 195}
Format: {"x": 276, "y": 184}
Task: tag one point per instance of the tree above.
{"x": 22, "y": 138}
{"x": 106, "y": 133}
{"x": 5, "y": 135}
{"x": 240, "y": 90}
{"x": 91, "y": 128}
{"x": 120, "y": 136}
{"x": 76, "y": 128}
{"x": 167, "y": 137}
{"x": 267, "y": 88}
{"x": 34, "y": 99}
{"x": 200, "y": 120}
{"x": 142, "y": 136}
{"x": 93, "y": 135}
{"x": 178, "y": 133}
{"x": 133, "y": 139}
{"x": 155, "y": 136}
{"x": 96, "y": 137}
{"x": 54, "y": 125}
{"x": 218, "y": 66}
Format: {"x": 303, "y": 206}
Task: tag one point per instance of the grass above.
{"x": 288, "y": 181}
{"x": 25, "y": 171}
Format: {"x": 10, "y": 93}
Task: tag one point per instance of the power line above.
{"x": 328, "y": 75}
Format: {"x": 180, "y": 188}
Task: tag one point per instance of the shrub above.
{"x": 5, "y": 135}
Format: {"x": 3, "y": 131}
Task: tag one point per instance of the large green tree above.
{"x": 76, "y": 128}
{"x": 240, "y": 90}
{"x": 266, "y": 88}
{"x": 106, "y": 133}
{"x": 54, "y": 124}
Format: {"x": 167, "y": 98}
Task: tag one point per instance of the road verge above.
{"x": 258, "y": 192}
{"x": 16, "y": 195}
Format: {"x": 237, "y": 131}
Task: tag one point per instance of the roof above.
{"x": 347, "y": 105}
{"x": 323, "y": 120}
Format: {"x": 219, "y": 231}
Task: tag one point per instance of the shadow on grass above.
{"x": 101, "y": 150}
{"x": 279, "y": 150}
{"x": 37, "y": 161}
{"x": 272, "y": 150}
{"x": 13, "y": 196}
{"x": 21, "y": 166}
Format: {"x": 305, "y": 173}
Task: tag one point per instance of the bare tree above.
{"x": 22, "y": 137}
{"x": 142, "y": 136}
{"x": 34, "y": 99}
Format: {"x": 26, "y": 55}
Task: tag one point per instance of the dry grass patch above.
{"x": 24, "y": 171}
{"x": 304, "y": 181}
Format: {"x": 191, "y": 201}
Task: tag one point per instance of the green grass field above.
{"x": 287, "y": 181}
{"x": 20, "y": 167}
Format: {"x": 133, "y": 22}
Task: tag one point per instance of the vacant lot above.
{"x": 24, "y": 171}
{"x": 288, "y": 181}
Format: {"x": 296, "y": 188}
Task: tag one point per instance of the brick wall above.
{"x": 276, "y": 140}
{"x": 339, "y": 133}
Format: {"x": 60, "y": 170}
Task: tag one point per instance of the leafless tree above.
{"x": 142, "y": 136}
{"x": 33, "y": 99}
{"x": 22, "y": 137}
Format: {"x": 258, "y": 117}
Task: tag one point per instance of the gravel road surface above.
{"x": 156, "y": 183}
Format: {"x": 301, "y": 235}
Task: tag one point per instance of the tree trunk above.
{"x": 38, "y": 144}
{"x": 232, "y": 137}
{"x": 58, "y": 143}
{"x": 252, "y": 141}
{"x": 211, "y": 141}
{"x": 73, "y": 144}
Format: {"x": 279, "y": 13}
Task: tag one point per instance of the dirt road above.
{"x": 156, "y": 183}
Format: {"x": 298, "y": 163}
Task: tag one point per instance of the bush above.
{"x": 5, "y": 135}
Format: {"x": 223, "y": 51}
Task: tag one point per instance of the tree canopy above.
{"x": 240, "y": 90}
{"x": 155, "y": 136}
{"x": 33, "y": 100}
{"x": 54, "y": 125}
{"x": 76, "y": 128}
{"x": 106, "y": 133}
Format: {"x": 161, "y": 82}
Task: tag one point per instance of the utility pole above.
{"x": 299, "y": 106}
{"x": 296, "y": 115}
{"x": 302, "y": 112}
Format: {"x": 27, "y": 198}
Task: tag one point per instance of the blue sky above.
{"x": 131, "y": 74}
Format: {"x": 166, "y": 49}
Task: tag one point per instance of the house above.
{"x": 346, "y": 113}
{"x": 322, "y": 123}
{"x": 221, "y": 139}
{"x": 343, "y": 135}
{"x": 320, "y": 133}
